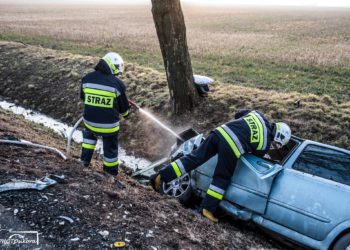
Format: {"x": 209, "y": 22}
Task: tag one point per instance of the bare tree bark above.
{"x": 171, "y": 31}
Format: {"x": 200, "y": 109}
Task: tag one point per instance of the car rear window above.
{"x": 325, "y": 162}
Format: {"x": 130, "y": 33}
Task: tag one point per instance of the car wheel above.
{"x": 180, "y": 188}
{"x": 343, "y": 243}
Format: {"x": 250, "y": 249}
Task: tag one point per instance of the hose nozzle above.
{"x": 132, "y": 103}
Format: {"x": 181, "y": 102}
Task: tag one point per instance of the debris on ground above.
{"x": 24, "y": 184}
{"x": 102, "y": 214}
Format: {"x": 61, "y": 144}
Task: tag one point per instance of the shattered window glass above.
{"x": 325, "y": 162}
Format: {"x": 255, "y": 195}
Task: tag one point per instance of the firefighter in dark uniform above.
{"x": 250, "y": 132}
{"x": 104, "y": 100}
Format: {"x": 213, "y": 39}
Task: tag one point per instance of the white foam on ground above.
{"x": 64, "y": 130}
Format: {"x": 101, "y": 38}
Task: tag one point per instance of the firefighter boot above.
{"x": 209, "y": 215}
{"x": 155, "y": 182}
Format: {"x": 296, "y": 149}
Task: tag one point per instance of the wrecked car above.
{"x": 301, "y": 191}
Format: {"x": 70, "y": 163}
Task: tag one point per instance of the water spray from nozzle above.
{"x": 152, "y": 117}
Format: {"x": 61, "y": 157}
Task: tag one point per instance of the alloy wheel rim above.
{"x": 177, "y": 187}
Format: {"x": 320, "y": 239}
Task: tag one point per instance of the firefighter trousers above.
{"x": 110, "y": 150}
{"x": 223, "y": 172}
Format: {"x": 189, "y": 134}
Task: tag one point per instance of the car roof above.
{"x": 301, "y": 140}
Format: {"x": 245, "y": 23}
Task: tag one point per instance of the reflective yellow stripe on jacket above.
{"x": 101, "y": 127}
{"x": 88, "y": 146}
{"x": 178, "y": 168}
{"x": 102, "y": 130}
{"x": 99, "y": 92}
{"x": 232, "y": 140}
{"x": 125, "y": 114}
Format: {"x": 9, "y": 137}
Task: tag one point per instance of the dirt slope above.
{"x": 136, "y": 214}
{"x": 48, "y": 81}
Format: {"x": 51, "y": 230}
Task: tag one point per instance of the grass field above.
{"x": 286, "y": 49}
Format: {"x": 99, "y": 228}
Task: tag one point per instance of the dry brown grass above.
{"x": 305, "y": 36}
{"x": 284, "y": 49}
{"x": 56, "y": 77}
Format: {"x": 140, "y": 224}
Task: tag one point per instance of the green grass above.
{"x": 319, "y": 80}
{"x": 304, "y": 78}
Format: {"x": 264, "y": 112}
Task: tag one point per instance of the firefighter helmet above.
{"x": 115, "y": 62}
{"x": 283, "y": 133}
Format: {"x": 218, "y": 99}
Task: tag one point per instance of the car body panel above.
{"x": 250, "y": 184}
{"x": 308, "y": 204}
{"x": 300, "y": 238}
{"x": 305, "y": 208}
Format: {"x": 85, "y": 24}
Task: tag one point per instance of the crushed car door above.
{"x": 250, "y": 184}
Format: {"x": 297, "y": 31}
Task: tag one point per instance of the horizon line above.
{"x": 8, "y": 2}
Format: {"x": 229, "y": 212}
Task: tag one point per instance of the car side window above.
{"x": 325, "y": 162}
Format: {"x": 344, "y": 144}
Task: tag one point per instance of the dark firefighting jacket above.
{"x": 250, "y": 132}
{"x": 104, "y": 100}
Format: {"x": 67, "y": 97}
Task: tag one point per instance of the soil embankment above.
{"x": 49, "y": 81}
{"x": 101, "y": 213}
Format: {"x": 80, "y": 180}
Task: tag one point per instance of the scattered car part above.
{"x": 119, "y": 244}
{"x": 24, "y": 184}
{"x": 150, "y": 170}
{"x": 178, "y": 148}
{"x": 28, "y": 143}
{"x": 202, "y": 84}
{"x": 69, "y": 138}
{"x": 58, "y": 178}
{"x": 70, "y": 220}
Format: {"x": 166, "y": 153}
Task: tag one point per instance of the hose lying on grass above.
{"x": 27, "y": 143}
{"x": 69, "y": 139}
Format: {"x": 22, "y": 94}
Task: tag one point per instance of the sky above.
{"x": 321, "y": 3}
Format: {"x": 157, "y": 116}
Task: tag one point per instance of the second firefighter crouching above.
{"x": 250, "y": 132}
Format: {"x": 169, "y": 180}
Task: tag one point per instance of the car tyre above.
{"x": 188, "y": 198}
{"x": 181, "y": 189}
{"x": 343, "y": 243}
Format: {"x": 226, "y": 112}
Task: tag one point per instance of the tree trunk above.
{"x": 171, "y": 31}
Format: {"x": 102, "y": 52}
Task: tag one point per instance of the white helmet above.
{"x": 115, "y": 62}
{"x": 283, "y": 133}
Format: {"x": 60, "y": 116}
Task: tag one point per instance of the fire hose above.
{"x": 69, "y": 139}
{"x": 27, "y": 143}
